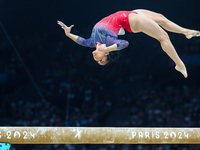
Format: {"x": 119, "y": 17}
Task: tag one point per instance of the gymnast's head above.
{"x": 105, "y": 58}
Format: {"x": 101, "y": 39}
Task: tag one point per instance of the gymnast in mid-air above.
{"x": 105, "y": 35}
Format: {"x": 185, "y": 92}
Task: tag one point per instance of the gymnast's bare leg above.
{"x": 143, "y": 22}
{"x": 168, "y": 25}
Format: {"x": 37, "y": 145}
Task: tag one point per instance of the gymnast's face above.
{"x": 100, "y": 57}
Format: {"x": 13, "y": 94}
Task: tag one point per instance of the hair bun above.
{"x": 112, "y": 57}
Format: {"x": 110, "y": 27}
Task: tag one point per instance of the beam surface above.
{"x": 97, "y": 135}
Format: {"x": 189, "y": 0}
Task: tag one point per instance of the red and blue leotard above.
{"x": 106, "y": 31}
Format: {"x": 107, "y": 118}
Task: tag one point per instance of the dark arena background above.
{"x": 46, "y": 79}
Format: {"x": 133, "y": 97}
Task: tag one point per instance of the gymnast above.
{"x": 105, "y": 35}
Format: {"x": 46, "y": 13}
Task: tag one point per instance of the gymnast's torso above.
{"x": 115, "y": 21}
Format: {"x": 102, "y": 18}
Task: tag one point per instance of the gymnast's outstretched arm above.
{"x": 79, "y": 40}
{"x": 68, "y": 31}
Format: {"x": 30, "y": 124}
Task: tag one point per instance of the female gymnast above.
{"x": 105, "y": 35}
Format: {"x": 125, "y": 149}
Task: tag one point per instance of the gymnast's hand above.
{"x": 102, "y": 47}
{"x": 66, "y": 28}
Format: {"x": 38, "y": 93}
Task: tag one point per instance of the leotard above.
{"x": 106, "y": 31}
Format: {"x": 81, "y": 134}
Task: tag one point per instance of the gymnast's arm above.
{"x": 115, "y": 45}
{"x": 68, "y": 30}
{"x": 79, "y": 40}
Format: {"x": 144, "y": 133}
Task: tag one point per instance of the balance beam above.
{"x": 98, "y": 135}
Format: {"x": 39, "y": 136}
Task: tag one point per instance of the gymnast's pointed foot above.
{"x": 182, "y": 69}
{"x": 192, "y": 33}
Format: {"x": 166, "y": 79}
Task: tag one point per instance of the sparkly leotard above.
{"x": 106, "y": 31}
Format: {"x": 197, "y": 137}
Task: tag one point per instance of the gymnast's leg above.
{"x": 142, "y": 23}
{"x": 167, "y": 24}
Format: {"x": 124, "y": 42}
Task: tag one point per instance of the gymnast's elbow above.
{"x": 127, "y": 44}
{"x": 124, "y": 45}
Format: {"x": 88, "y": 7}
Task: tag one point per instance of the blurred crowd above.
{"x": 169, "y": 107}
{"x": 79, "y": 92}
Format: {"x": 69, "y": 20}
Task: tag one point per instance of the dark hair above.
{"x": 112, "y": 57}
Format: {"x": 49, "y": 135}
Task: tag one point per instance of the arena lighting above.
{"x": 98, "y": 135}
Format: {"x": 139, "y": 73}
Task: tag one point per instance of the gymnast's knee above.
{"x": 164, "y": 37}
